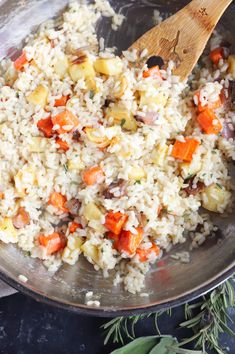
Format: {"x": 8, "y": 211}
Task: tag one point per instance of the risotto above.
{"x": 111, "y": 158}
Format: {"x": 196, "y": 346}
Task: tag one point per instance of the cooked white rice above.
{"x": 33, "y": 167}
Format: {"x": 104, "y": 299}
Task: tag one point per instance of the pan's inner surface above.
{"x": 170, "y": 280}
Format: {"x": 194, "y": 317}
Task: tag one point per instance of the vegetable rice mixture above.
{"x": 111, "y": 158}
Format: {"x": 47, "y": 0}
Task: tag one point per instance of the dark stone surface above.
{"x": 29, "y": 327}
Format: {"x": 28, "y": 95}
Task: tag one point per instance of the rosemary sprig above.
{"x": 207, "y": 319}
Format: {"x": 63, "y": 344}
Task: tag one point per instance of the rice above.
{"x": 139, "y": 176}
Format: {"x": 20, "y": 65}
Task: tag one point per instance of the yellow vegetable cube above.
{"x": 215, "y": 198}
{"x": 72, "y": 250}
{"x": 94, "y": 135}
{"x": 136, "y": 173}
{"x": 38, "y": 144}
{"x": 39, "y": 96}
{"x": 159, "y": 155}
{"x": 231, "y": 63}
{"x": 158, "y": 98}
{"x": 25, "y": 177}
{"x": 8, "y": 233}
{"x": 61, "y": 66}
{"x": 92, "y": 212}
{"x": 91, "y": 85}
{"x": 109, "y": 66}
{"x": 123, "y": 117}
{"x": 79, "y": 71}
{"x": 75, "y": 164}
{"x": 192, "y": 168}
{"x": 90, "y": 251}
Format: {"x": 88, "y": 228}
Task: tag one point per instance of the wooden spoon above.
{"x": 183, "y": 36}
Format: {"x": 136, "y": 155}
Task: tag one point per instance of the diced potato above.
{"x": 92, "y": 212}
{"x": 109, "y": 66}
{"x": 137, "y": 173}
{"x": 75, "y": 164}
{"x": 91, "y": 85}
{"x": 94, "y": 136}
{"x": 11, "y": 75}
{"x": 39, "y": 96}
{"x": 231, "y": 63}
{"x": 8, "y": 233}
{"x": 158, "y": 98}
{"x": 123, "y": 117}
{"x": 192, "y": 168}
{"x": 72, "y": 250}
{"x": 214, "y": 198}
{"x": 61, "y": 66}
{"x": 79, "y": 71}
{"x": 122, "y": 88}
{"x": 159, "y": 155}
{"x": 90, "y": 251}
{"x": 24, "y": 178}
{"x": 38, "y": 144}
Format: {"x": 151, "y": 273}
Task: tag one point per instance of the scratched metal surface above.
{"x": 169, "y": 283}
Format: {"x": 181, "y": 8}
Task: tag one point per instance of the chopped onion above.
{"x": 148, "y": 118}
{"x": 227, "y": 133}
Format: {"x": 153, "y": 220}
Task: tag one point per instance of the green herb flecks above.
{"x": 189, "y": 177}
{"x": 123, "y": 121}
{"x": 65, "y": 167}
{"x": 91, "y": 94}
{"x": 219, "y": 186}
{"x": 138, "y": 182}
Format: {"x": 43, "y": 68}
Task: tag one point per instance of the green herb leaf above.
{"x": 123, "y": 121}
{"x": 141, "y": 345}
{"x": 91, "y": 94}
{"x": 65, "y": 167}
{"x": 219, "y": 185}
{"x": 165, "y": 346}
{"x": 207, "y": 319}
{"x": 138, "y": 182}
{"x": 189, "y": 177}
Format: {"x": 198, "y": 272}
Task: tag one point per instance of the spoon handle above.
{"x": 210, "y": 10}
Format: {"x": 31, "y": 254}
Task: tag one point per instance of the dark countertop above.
{"x": 27, "y": 327}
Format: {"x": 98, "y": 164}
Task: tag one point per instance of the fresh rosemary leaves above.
{"x": 207, "y": 319}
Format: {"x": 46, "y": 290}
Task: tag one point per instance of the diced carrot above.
{"x": 184, "y": 150}
{"x": 61, "y": 101}
{"x": 66, "y": 121}
{"x": 114, "y": 238}
{"x": 213, "y": 105}
{"x": 58, "y": 200}
{"x": 1, "y": 195}
{"x": 20, "y": 62}
{"x": 74, "y": 226}
{"x": 53, "y": 243}
{"x": 93, "y": 175}
{"x": 63, "y": 145}
{"x": 46, "y": 126}
{"x": 153, "y": 72}
{"x": 216, "y": 55}
{"x": 144, "y": 253}
{"x": 114, "y": 222}
{"x": 209, "y": 122}
{"x": 129, "y": 242}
